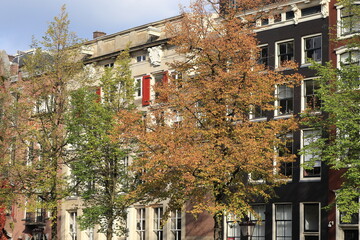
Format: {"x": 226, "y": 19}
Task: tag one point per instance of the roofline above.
{"x": 133, "y": 29}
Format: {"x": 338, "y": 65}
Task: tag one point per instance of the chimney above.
{"x": 97, "y": 34}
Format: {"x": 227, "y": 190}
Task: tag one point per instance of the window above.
{"x": 73, "y": 225}
{"x": 45, "y": 104}
{"x": 233, "y": 229}
{"x": 138, "y": 87}
{"x": 257, "y": 112}
{"x": 109, "y": 65}
{"x": 312, "y": 49}
{"x": 349, "y": 20}
{"x": 283, "y": 222}
{"x": 310, "y": 10}
{"x": 176, "y": 225}
{"x": 158, "y": 230}
{"x": 311, "y": 101}
{"x": 259, "y": 231}
{"x": 285, "y": 96}
{"x": 351, "y": 57}
{"x": 289, "y": 15}
{"x": 309, "y": 136}
{"x": 141, "y": 58}
{"x": 90, "y": 233}
{"x": 277, "y": 18}
{"x": 310, "y": 221}
{"x": 264, "y": 55}
{"x": 350, "y": 230}
{"x": 264, "y": 21}
{"x": 140, "y": 223}
{"x": 285, "y": 52}
{"x": 286, "y": 168}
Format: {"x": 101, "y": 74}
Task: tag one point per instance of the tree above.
{"x": 35, "y": 123}
{"x": 198, "y": 144}
{"x": 339, "y": 145}
{"x": 99, "y": 163}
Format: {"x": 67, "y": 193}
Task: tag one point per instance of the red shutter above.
{"x": 165, "y": 78}
{"x": 146, "y": 90}
{"x": 98, "y": 92}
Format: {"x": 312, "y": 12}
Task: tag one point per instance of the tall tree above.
{"x": 35, "y": 118}
{"x": 339, "y": 145}
{"x": 198, "y": 144}
{"x": 99, "y": 164}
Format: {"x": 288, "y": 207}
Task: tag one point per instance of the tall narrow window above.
{"x": 312, "y": 49}
{"x": 286, "y": 168}
{"x": 349, "y": 20}
{"x": 73, "y": 225}
{"x": 176, "y": 225}
{"x": 138, "y": 84}
{"x": 283, "y": 222}
{"x": 311, "y": 221}
{"x": 259, "y": 231}
{"x": 285, "y": 96}
{"x": 158, "y": 230}
{"x": 140, "y": 224}
{"x": 233, "y": 229}
{"x": 264, "y": 55}
{"x": 311, "y": 101}
{"x": 309, "y": 136}
{"x": 285, "y": 52}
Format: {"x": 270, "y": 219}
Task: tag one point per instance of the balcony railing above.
{"x": 35, "y": 218}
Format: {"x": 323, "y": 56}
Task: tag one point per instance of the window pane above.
{"x": 311, "y": 217}
{"x": 351, "y": 234}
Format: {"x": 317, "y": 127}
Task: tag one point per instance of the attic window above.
{"x": 310, "y": 10}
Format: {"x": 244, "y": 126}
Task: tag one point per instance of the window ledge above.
{"x": 310, "y": 179}
{"x": 283, "y": 116}
{"x": 347, "y": 36}
{"x": 260, "y": 119}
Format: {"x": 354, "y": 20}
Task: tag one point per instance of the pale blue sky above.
{"x": 22, "y": 19}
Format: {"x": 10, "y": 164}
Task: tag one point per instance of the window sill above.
{"x": 283, "y": 116}
{"x": 347, "y": 36}
{"x": 310, "y": 179}
{"x": 260, "y": 119}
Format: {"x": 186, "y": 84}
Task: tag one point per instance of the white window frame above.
{"x": 340, "y": 35}
{"x": 140, "y": 223}
{"x": 341, "y": 51}
{"x": 175, "y": 228}
{"x": 303, "y": 233}
{"x": 141, "y": 58}
{"x": 157, "y": 218}
{"x": 303, "y": 53}
{"x": 260, "y": 225}
{"x": 262, "y": 46}
{"x": 73, "y": 225}
{"x": 303, "y": 93}
{"x": 302, "y": 159}
{"x": 341, "y": 227}
{"x": 277, "y": 49}
{"x": 138, "y": 89}
{"x": 274, "y": 219}
{"x": 289, "y": 178}
{"x": 277, "y": 104}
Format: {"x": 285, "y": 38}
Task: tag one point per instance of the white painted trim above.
{"x": 303, "y": 57}
{"x": 302, "y": 219}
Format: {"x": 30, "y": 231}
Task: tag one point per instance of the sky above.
{"x": 23, "y": 19}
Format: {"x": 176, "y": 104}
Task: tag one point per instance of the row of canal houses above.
{"x": 295, "y": 30}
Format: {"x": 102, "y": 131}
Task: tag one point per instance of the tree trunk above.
{"x": 54, "y": 218}
{"x": 218, "y": 226}
{"x": 109, "y": 230}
